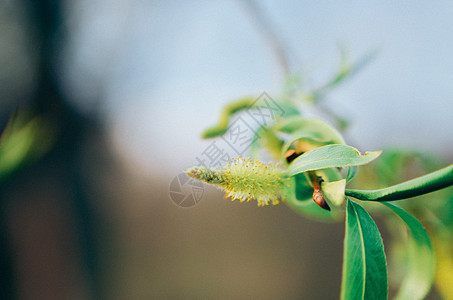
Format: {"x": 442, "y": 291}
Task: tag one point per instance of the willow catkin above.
{"x": 246, "y": 179}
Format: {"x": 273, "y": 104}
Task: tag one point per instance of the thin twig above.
{"x": 275, "y": 43}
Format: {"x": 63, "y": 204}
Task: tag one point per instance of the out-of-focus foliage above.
{"x": 24, "y": 140}
{"x": 420, "y": 261}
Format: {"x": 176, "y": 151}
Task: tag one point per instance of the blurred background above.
{"x": 107, "y": 100}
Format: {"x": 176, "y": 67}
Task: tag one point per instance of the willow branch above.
{"x": 418, "y": 186}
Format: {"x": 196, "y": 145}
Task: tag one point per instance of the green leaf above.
{"x": 303, "y": 188}
{"x": 315, "y": 126}
{"x": 352, "y": 171}
{"x": 265, "y": 137}
{"x": 310, "y": 209}
{"x": 420, "y": 271}
{"x": 345, "y": 70}
{"x": 240, "y": 105}
{"x": 330, "y": 156}
{"x": 288, "y": 108}
{"x": 329, "y": 175}
{"x": 302, "y": 202}
{"x": 364, "y": 264}
{"x": 307, "y": 136}
{"x": 227, "y": 112}
{"x": 334, "y": 191}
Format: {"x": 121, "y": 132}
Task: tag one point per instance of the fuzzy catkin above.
{"x": 246, "y": 179}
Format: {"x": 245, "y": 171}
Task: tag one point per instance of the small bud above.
{"x": 317, "y": 193}
{"x": 291, "y": 155}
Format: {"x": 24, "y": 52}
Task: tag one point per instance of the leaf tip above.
{"x": 373, "y": 153}
{"x": 213, "y": 132}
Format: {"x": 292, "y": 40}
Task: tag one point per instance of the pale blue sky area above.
{"x": 164, "y": 69}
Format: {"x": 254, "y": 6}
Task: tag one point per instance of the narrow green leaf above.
{"x": 346, "y": 70}
{"x": 420, "y": 271}
{"x": 237, "y": 106}
{"x": 227, "y": 112}
{"x": 364, "y": 263}
{"x": 330, "y": 156}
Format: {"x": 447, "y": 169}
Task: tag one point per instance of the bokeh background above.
{"x": 124, "y": 89}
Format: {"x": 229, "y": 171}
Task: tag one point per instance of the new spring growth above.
{"x": 246, "y": 179}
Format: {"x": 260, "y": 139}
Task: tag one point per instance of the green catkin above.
{"x": 246, "y": 179}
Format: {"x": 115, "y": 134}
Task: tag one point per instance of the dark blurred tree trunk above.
{"x": 48, "y": 246}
